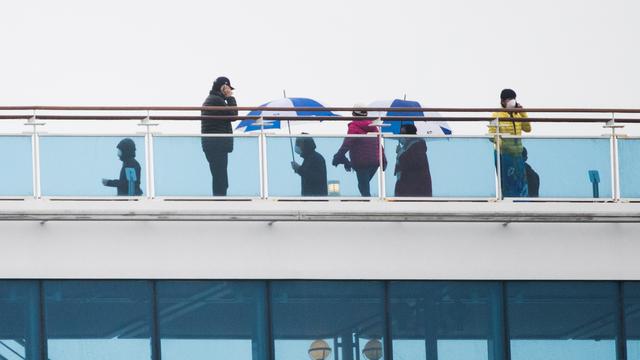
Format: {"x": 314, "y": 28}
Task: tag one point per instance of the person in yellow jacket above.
{"x": 512, "y": 164}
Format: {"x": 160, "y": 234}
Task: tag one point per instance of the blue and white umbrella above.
{"x": 429, "y": 127}
{"x": 250, "y": 125}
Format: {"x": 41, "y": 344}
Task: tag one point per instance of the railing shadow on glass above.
{"x": 310, "y": 166}
{"x": 206, "y": 166}
{"x": 439, "y": 167}
{"x": 556, "y": 168}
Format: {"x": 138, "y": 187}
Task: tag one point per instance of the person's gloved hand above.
{"x": 105, "y": 181}
{"x": 336, "y": 160}
{"x": 295, "y": 166}
{"x": 347, "y": 166}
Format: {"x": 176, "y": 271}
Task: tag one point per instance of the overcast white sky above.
{"x": 568, "y": 53}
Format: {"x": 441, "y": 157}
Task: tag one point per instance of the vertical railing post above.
{"x": 149, "y": 158}
{"x": 381, "y": 177}
{"x": 35, "y": 154}
{"x": 262, "y": 153}
{"x": 615, "y": 164}
{"x": 497, "y": 140}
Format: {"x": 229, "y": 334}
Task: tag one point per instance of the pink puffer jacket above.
{"x": 363, "y": 152}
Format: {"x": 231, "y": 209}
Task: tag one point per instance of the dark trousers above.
{"x": 218, "y": 161}
{"x": 364, "y": 178}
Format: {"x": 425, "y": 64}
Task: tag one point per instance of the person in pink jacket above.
{"x": 364, "y": 153}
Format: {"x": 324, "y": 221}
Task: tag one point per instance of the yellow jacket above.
{"x": 509, "y": 127}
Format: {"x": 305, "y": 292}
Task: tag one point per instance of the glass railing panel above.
{"x": 16, "y": 160}
{"x": 317, "y": 176}
{"x": 92, "y": 166}
{"x": 440, "y": 167}
{"x": 183, "y": 168}
{"x": 629, "y": 165}
{"x": 557, "y": 167}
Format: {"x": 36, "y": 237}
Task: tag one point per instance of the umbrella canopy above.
{"x": 293, "y": 103}
{"x": 430, "y": 127}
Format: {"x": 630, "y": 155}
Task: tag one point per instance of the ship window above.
{"x": 446, "y": 320}
{"x": 328, "y": 320}
{"x": 631, "y": 291}
{"x": 98, "y": 319}
{"x": 562, "y": 320}
{"x": 212, "y": 320}
{"x": 19, "y": 320}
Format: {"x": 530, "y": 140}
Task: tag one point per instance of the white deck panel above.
{"x": 319, "y": 240}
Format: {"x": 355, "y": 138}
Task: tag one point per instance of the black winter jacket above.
{"x": 128, "y": 157}
{"x": 122, "y": 184}
{"x": 215, "y": 126}
{"x": 313, "y": 174}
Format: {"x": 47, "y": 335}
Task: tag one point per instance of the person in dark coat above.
{"x": 217, "y": 149}
{"x": 313, "y": 171}
{"x": 533, "y": 179}
{"x": 129, "y": 182}
{"x": 412, "y": 165}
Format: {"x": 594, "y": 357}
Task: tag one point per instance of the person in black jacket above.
{"x": 217, "y": 149}
{"x": 129, "y": 182}
{"x": 533, "y": 179}
{"x": 313, "y": 171}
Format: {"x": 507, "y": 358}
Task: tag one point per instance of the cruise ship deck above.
{"x": 266, "y": 273}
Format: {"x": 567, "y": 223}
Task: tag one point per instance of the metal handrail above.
{"x": 311, "y": 118}
{"x": 251, "y": 108}
{"x": 35, "y": 113}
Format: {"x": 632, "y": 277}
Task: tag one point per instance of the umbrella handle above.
{"x": 293, "y": 157}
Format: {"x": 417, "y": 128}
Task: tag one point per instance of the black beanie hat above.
{"x": 507, "y": 94}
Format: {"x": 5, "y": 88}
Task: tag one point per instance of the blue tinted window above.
{"x": 19, "y": 320}
{"x": 98, "y": 319}
{"x": 344, "y": 320}
{"x": 446, "y": 320}
{"x": 562, "y": 320}
{"x": 209, "y": 320}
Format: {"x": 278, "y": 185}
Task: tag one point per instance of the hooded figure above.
{"x": 313, "y": 171}
{"x": 129, "y": 182}
{"x": 412, "y": 166}
{"x": 364, "y": 153}
{"x": 217, "y": 149}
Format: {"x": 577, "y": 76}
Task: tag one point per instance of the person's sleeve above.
{"x": 311, "y": 169}
{"x": 492, "y": 128}
{"x": 305, "y": 169}
{"x": 213, "y": 101}
{"x": 112, "y": 183}
{"x": 231, "y": 101}
{"x": 138, "y": 175}
{"x": 371, "y": 129}
{"x": 526, "y": 126}
{"x": 346, "y": 146}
